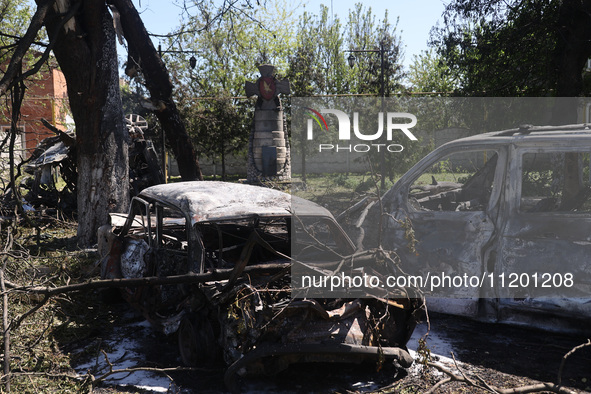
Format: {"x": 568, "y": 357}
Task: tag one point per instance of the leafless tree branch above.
{"x": 5, "y": 329}
{"x": 18, "y": 38}
{"x": 37, "y": 66}
{"x": 567, "y": 355}
{"x": 144, "y": 281}
{"x": 10, "y": 78}
{"x": 29, "y": 37}
{"x": 113, "y": 371}
{"x": 463, "y": 378}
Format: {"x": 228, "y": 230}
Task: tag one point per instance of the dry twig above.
{"x": 463, "y": 378}
{"x": 112, "y": 371}
{"x": 588, "y": 343}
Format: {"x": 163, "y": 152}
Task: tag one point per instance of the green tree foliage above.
{"x": 221, "y": 127}
{"x": 518, "y": 47}
{"x": 305, "y": 77}
{"x": 331, "y": 59}
{"x": 227, "y": 50}
{"x": 364, "y": 33}
{"x": 431, "y": 80}
{"x": 380, "y": 39}
{"x": 429, "y": 73}
{"x": 311, "y": 52}
{"x": 14, "y": 18}
{"x": 318, "y": 64}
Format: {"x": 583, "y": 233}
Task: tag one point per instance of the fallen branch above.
{"x": 438, "y": 384}
{"x": 64, "y": 137}
{"x": 559, "y": 380}
{"x": 66, "y": 375}
{"x": 462, "y": 378}
{"x": 144, "y": 281}
{"x": 5, "y": 330}
{"x": 17, "y": 322}
{"x": 113, "y": 371}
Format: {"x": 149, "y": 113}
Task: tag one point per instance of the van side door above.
{"x": 442, "y": 221}
{"x": 543, "y": 265}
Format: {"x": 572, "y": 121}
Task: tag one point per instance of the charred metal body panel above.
{"x": 518, "y": 204}
{"x": 248, "y": 318}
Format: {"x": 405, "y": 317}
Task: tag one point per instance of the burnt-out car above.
{"x": 236, "y": 304}
{"x": 501, "y": 226}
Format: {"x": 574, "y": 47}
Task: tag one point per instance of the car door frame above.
{"x": 397, "y": 204}
{"x": 541, "y": 236}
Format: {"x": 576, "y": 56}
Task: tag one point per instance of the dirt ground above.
{"x": 503, "y": 356}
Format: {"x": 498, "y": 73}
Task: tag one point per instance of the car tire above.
{"x": 197, "y": 341}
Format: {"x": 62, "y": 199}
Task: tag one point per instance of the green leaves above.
{"x": 498, "y": 48}
{"x": 318, "y": 64}
{"x": 228, "y": 44}
{"x": 14, "y": 19}
{"x": 310, "y": 50}
{"x": 429, "y": 73}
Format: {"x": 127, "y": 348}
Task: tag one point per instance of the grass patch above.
{"x": 46, "y": 342}
{"x": 338, "y": 191}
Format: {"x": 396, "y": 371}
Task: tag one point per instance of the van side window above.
{"x": 462, "y": 181}
{"x": 555, "y": 182}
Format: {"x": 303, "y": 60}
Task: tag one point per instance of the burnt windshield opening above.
{"x": 318, "y": 239}
{"x": 256, "y": 240}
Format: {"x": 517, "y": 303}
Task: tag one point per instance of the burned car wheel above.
{"x": 197, "y": 341}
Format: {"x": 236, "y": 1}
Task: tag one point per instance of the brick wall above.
{"x": 45, "y": 98}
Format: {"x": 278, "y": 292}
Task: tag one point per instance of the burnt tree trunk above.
{"x": 87, "y": 55}
{"x": 144, "y": 56}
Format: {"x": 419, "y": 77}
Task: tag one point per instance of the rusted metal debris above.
{"x": 53, "y": 157}
{"x": 144, "y": 168}
{"x": 250, "y": 322}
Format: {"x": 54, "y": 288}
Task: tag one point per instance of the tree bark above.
{"x": 158, "y": 82}
{"x": 87, "y": 55}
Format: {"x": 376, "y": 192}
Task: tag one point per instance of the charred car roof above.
{"x": 213, "y": 200}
